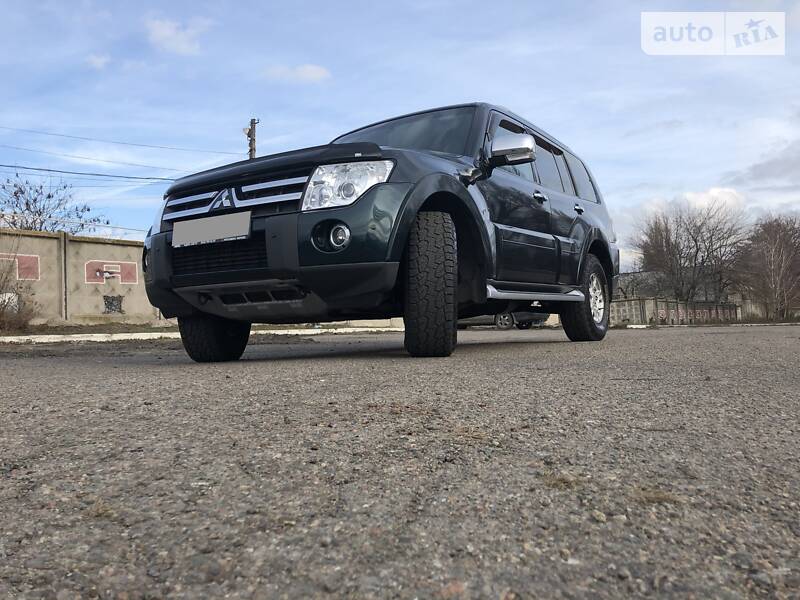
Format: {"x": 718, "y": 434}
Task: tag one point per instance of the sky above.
{"x": 653, "y": 129}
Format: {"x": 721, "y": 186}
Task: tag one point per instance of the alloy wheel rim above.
{"x": 597, "y": 298}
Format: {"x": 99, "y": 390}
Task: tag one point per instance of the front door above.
{"x": 526, "y": 250}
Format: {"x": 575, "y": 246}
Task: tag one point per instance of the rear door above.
{"x": 526, "y": 249}
{"x": 565, "y": 208}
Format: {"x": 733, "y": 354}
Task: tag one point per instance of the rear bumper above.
{"x": 293, "y": 281}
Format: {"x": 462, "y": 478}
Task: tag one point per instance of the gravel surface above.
{"x": 654, "y": 463}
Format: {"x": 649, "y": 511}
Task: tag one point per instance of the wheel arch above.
{"x": 476, "y": 248}
{"x": 599, "y": 248}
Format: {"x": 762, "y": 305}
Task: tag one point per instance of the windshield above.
{"x": 440, "y": 130}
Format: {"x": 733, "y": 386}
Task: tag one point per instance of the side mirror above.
{"x": 512, "y": 149}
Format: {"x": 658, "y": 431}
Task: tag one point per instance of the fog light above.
{"x": 339, "y": 236}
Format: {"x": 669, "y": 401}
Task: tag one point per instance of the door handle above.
{"x": 578, "y": 208}
{"x": 540, "y": 197}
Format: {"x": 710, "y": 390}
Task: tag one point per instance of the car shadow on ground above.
{"x": 371, "y": 350}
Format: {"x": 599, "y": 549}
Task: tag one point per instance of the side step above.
{"x": 495, "y": 294}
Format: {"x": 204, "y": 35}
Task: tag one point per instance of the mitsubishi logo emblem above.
{"x": 223, "y": 199}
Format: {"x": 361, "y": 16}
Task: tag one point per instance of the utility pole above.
{"x": 250, "y": 132}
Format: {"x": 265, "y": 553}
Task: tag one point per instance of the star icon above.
{"x": 751, "y": 24}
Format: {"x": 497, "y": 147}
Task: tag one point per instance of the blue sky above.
{"x": 190, "y": 74}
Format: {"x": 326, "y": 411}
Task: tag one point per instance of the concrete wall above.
{"x": 658, "y": 311}
{"x": 77, "y": 279}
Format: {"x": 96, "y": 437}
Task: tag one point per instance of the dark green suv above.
{"x": 439, "y": 215}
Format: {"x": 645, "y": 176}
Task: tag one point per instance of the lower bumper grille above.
{"x": 236, "y": 255}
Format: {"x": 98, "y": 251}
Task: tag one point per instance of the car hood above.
{"x": 295, "y": 159}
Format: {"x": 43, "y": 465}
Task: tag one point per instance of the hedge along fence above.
{"x": 73, "y": 278}
{"x": 659, "y": 311}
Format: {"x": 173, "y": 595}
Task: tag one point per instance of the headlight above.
{"x": 342, "y": 184}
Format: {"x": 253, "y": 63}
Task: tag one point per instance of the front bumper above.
{"x": 295, "y": 282}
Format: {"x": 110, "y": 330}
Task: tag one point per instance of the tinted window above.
{"x": 524, "y": 170}
{"x": 547, "y": 169}
{"x": 440, "y": 131}
{"x": 581, "y": 177}
{"x": 564, "y": 172}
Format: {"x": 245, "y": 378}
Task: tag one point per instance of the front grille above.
{"x": 273, "y": 193}
{"x": 236, "y": 255}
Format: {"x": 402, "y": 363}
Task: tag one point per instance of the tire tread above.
{"x": 207, "y": 338}
{"x": 430, "y": 286}
{"x": 576, "y": 317}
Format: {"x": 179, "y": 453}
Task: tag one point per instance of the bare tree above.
{"x": 770, "y": 265}
{"x": 17, "y": 306}
{"x": 692, "y": 249}
{"x": 724, "y": 232}
{"x": 671, "y": 248}
{"x": 43, "y": 207}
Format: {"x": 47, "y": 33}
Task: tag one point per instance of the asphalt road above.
{"x": 654, "y": 463}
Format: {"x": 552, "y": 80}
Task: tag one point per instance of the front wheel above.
{"x": 207, "y": 338}
{"x": 587, "y": 321}
{"x": 431, "y": 271}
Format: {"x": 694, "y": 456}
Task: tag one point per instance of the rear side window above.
{"x": 583, "y": 183}
{"x": 547, "y": 169}
{"x": 564, "y": 172}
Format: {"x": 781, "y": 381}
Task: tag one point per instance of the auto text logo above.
{"x": 714, "y": 33}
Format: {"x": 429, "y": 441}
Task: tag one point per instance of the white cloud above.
{"x": 98, "y": 61}
{"x": 716, "y": 195}
{"x": 174, "y": 37}
{"x": 298, "y": 74}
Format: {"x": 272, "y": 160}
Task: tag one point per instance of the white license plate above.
{"x": 235, "y": 226}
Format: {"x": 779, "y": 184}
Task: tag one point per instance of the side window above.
{"x": 583, "y": 183}
{"x": 564, "y": 172}
{"x": 524, "y": 170}
{"x": 547, "y": 169}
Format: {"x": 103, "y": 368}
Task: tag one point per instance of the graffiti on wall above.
{"x": 113, "y": 304}
{"x": 26, "y": 266}
{"x": 100, "y": 271}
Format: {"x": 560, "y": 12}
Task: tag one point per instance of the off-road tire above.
{"x": 525, "y": 325}
{"x": 430, "y": 279}
{"x": 576, "y": 317}
{"x": 207, "y": 338}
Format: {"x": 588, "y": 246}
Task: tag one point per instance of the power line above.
{"x": 17, "y": 167}
{"x": 90, "y": 139}
{"x": 71, "y": 178}
{"x": 102, "y": 160}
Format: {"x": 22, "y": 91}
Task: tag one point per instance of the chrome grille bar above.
{"x": 270, "y": 199}
{"x": 184, "y": 213}
{"x": 274, "y": 184}
{"x": 188, "y": 199}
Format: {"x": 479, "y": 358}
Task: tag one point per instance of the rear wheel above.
{"x": 207, "y": 338}
{"x": 525, "y": 325}
{"x": 587, "y": 321}
{"x": 431, "y": 273}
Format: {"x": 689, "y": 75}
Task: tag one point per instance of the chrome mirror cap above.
{"x": 513, "y": 149}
